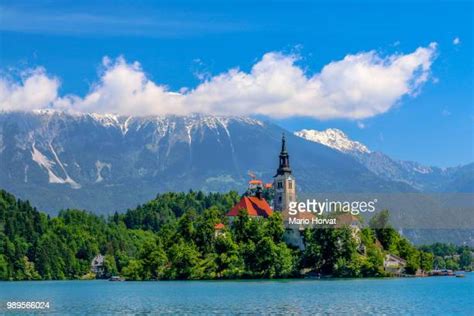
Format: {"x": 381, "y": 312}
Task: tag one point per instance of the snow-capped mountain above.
{"x": 107, "y": 162}
{"x": 333, "y": 138}
{"x": 423, "y": 178}
{"x": 104, "y": 162}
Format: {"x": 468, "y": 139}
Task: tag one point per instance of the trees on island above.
{"x": 449, "y": 256}
{"x": 173, "y": 237}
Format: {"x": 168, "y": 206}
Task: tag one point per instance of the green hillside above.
{"x": 173, "y": 237}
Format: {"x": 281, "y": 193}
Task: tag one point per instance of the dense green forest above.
{"x": 173, "y": 237}
{"x": 449, "y": 256}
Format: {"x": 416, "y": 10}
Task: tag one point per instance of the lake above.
{"x": 436, "y": 295}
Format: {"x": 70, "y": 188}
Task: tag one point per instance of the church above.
{"x": 284, "y": 187}
{"x": 284, "y": 192}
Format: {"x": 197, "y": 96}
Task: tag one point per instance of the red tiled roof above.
{"x": 255, "y": 182}
{"x": 219, "y": 226}
{"x": 268, "y": 185}
{"x": 253, "y": 205}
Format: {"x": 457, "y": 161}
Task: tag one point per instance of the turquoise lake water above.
{"x": 407, "y": 296}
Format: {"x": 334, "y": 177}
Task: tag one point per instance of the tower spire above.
{"x": 283, "y": 143}
{"x": 284, "y": 183}
{"x": 284, "y": 165}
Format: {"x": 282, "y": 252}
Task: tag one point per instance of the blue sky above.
{"x": 178, "y": 43}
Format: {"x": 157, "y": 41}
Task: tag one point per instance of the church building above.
{"x": 256, "y": 206}
{"x": 284, "y": 185}
{"x": 284, "y": 193}
{"x": 284, "y": 189}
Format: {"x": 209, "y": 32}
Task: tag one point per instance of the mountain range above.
{"x": 106, "y": 163}
{"x": 420, "y": 177}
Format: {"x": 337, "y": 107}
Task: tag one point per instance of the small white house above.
{"x": 97, "y": 265}
{"x": 394, "y": 264}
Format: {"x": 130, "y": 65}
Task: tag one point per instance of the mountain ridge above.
{"x": 106, "y": 163}
{"x": 420, "y": 177}
{"x": 334, "y": 138}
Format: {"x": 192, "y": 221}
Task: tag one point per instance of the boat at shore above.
{"x": 447, "y": 272}
{"x": 442, "y": 272}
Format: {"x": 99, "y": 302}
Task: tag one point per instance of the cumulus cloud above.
{"x": 35, "y": 90}
{"x": 357, "y": 87}
{"x": 125, "y": 89}
{"x": 456, "y": 41}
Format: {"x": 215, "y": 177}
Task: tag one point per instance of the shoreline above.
{"x": 323, "y": 278}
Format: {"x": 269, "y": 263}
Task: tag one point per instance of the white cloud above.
{"x": 34, "y": 91}
{"x": 125, "y": 89}
{"x": 357, "y": 87}
{"x": 456, "y": 41}
{"x": 360, "y": 125}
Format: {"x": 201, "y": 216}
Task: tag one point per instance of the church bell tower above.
{"x": 284, "y": 183}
